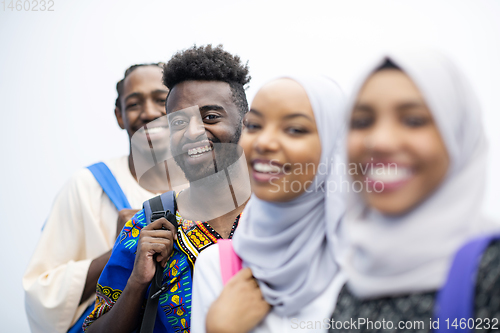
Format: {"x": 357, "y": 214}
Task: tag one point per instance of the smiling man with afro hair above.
{"x": 214, "y": 80}
{"x": 207, "y": 63}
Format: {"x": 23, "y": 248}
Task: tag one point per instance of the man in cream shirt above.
{"x": 83, "y": 224}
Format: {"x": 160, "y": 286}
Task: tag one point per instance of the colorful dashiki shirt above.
{"x": 174, "y": 308}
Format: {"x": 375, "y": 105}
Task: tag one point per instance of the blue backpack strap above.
{"x": 115, "y": 193}
{"x": 109, "y": 184}
{"x": 455, "y": 300}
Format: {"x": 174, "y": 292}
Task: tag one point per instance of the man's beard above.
{"x": 225, "y": 154}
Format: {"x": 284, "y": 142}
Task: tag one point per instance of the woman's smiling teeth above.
{"x": 266, "y": 168}
{"x": 197, "y": 152}
{"x": 390, "y": 174}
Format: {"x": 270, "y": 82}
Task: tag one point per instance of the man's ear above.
{"x": 119, "y": 118}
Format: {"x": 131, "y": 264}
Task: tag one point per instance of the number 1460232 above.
{"x": 28, "y": 6}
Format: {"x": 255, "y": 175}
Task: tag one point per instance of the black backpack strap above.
{"x": 157, "y": 210}
{"x": 158, "y": 207}
{"x": 161, "y": 206}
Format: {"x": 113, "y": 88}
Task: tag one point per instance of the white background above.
{"x": 58, "y": 72}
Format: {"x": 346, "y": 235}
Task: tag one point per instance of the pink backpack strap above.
{"x": 230, "y": 263}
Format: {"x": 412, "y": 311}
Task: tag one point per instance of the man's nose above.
{"x": 195, "y": 128}
{"x": 151, "y": 111}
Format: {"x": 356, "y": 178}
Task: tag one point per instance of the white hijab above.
{"x": 288, "y": 245}
{"x": 412, "y": 253}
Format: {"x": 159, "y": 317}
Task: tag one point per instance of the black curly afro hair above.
{"x": 207, "y": 63}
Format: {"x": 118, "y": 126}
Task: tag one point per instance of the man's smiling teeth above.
{"x": 390, "y": 174}
{"x": 266, "y": 168}
{"x": 195, "y": 152}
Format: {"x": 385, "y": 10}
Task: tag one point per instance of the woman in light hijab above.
{"x": 291, "y": 139}
{"x": 418, "y": 145}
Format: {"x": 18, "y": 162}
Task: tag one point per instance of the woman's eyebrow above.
{"x": 410, "y": 105}
{"x": 297, "y": 115}
{"x": 257, "y": 113}
{"x": 363, "y": 108}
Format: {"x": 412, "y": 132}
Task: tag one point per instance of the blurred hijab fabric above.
{"x": 384, "y": 255}
{"x": 288, "y": 245}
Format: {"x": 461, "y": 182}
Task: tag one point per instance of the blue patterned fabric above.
{"x": 174, "y": 308}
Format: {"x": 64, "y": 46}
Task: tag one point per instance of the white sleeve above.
{"x": 72, "y": 237}
{"x": 207, "y": 286}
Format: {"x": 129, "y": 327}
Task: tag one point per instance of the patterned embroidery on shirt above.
{"x": 198, "y": 235}
{"x": 175, "y": 301}
{"x": 132, "y": 229}
{"x": 198, "y": 238}
{"x": 105, "y": 299}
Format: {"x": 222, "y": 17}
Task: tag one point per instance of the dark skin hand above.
{"x": 240, "y": 306}
{"x": 124, "y": 315}
{"x": 97, "y": 265}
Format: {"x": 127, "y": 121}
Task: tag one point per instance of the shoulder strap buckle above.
{"x": 159, "y": 214}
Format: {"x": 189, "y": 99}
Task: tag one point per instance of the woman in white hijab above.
{"x": 417, "y": 153}
{"x": 291, "y": 139}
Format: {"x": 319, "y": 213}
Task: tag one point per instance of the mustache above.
{"x": 212, "y": 141}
